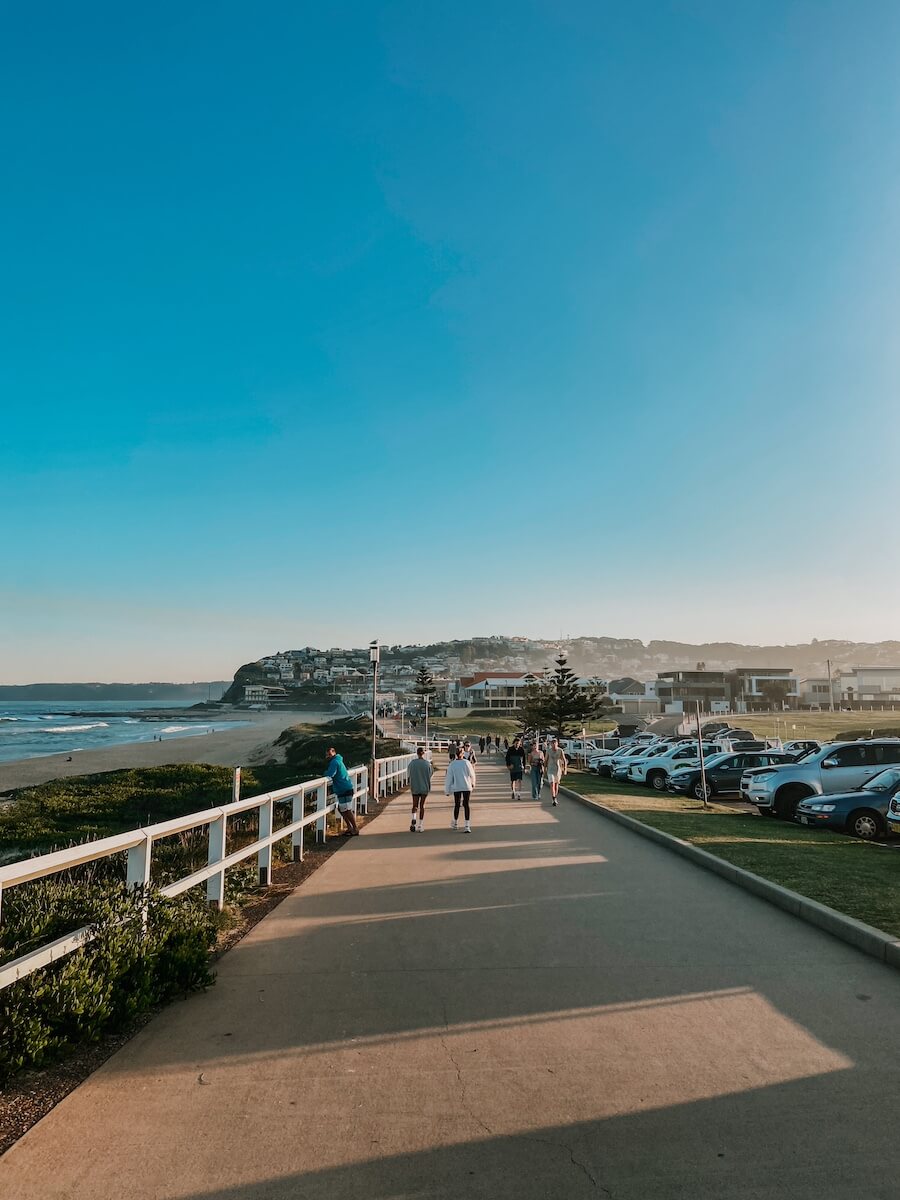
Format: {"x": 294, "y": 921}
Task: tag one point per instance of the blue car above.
{"x": 862, "y": 812}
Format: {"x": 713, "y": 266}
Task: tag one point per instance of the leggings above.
{"x": 463, "y": 798}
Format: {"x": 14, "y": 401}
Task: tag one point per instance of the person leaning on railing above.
{"x": 342, "y": 786}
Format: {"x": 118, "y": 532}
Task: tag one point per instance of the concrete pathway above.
{"x": 548, "y": 1007}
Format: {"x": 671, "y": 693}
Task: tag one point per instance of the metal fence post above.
{"x": 215, "y": 885}
{"x": 321, "y": 805}
{"x": 364, "y": 780}
{"x": 264, "y": 858}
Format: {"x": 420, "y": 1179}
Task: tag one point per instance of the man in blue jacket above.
{"x": 342, "y": 786}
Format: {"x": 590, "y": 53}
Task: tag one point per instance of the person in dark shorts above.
{"x": 515, "y": 762}
{"x": 342, "y": 786}
{"x": 420, "y": 772}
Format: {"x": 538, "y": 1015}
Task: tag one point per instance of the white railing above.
{"x": 138, "y": 846}
{"x": 392, "y": 774}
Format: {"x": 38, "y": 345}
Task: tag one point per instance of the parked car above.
{"x": 599, "y": 756}
{"x": 723, "y": 772}
{"x": 893, "y": 817}
{"x": 801, "y": 746}
{"x": 862, "y": 812}
{"x": 607, "y": 767}
{"x": 834, "y": 768}
{"x": 620, "y": 768}
{"x": 655, "y": 771}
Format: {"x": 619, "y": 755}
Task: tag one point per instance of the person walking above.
{"x": 536, "y": 759}
{"x": 497, "y": 743}
{"x": 468, "y": 753}
{"x": 557, "y": 766}
{"x": 460, "y": 783}
{"x": 342, "y": 786}
{"x": 420, "y": 773}
{"x": 515, "y": 762}
{"x": 481, "y": 743}
{"x": 506, "y": 743}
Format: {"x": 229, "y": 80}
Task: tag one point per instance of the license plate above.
{"x": 895, "y": 826}
{"x": 806, "y": 820}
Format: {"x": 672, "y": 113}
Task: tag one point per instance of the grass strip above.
{"x": 858, "y": 878}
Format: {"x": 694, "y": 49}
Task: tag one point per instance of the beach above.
{"x": 237, "y": 747}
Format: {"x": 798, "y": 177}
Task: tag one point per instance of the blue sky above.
{"x": 322, "y": 322}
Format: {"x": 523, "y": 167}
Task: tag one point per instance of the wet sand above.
{"x": 229, "y": 748}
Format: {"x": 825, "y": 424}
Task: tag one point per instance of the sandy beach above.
{"x": 230, "y": 748}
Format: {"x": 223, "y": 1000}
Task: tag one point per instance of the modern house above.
{"x": 870, "y": 687}
{"x": 498, "y": 691}
{"x": 745, "y": 689}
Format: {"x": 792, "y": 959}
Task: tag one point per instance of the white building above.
{"x": 871, "y": 687}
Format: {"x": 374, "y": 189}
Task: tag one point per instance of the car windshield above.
{"x": 884, "y": 781}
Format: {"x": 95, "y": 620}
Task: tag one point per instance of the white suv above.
{"x": 655, "y": 771}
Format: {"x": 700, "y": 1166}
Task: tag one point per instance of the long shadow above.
{"x": 611, "y": 1021}
{"x": 380, "y": 961}
{"x": 737, "y": 1147}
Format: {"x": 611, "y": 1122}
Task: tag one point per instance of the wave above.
{"x": 9, "y": 718}
{"x": 178, "y": 728}
{"x": 76, "y": 728}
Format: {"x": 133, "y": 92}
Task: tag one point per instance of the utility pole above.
{"x": 702, "y": 759}
{"x": 830, "y": 687}
{"x": 374, "y": 655}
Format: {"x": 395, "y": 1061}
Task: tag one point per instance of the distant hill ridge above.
{"x": 158, "y": 692}
{"x": 609, "y": 657}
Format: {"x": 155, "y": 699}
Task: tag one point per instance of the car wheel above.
{"x": 786, "y": 801}
{"x": 701, "y": 792}
{"x": 657, "y": 781}
{"x": 865, "y": 824}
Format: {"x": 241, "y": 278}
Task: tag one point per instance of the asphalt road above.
{"x": 548, "y": 1007}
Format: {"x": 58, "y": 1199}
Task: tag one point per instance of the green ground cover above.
{"x": 857, "y": 878}
{"x": 822, "y": 726}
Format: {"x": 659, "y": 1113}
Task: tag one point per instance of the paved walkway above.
{"x": 548, "y": 1007}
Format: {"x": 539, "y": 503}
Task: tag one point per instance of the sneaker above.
{"x": 468, "y": 827}
{"x": 454, "y": 823}
{"x": 555, "y": 803}
{"x": 412, "y": 827}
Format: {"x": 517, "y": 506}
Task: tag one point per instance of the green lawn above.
{"x": 471, "y": 726}
{"x": 854, "y": 877}
{"x": 822, "y": 726}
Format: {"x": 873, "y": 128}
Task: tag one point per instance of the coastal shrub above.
{"x": 852, "y": 735}
{"x": 65, "y": 811}
{"x": 146, "y": 951}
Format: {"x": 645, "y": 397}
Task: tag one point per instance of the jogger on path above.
{"x": 537, "y": 772}
{"x": 420, "y": 771}
{"x": 515, "y": 761}
{"x": 460, "y": 783}
{"x": 557, "y": 766}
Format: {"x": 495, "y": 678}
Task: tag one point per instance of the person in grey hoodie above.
{"x": 420, "y": 771}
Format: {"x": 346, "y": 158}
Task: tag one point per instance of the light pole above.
{"x": 427, "y": 698}
{"x": 374, "y": 655}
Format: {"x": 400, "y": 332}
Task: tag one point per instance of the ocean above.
{"x": 32, "y": 728}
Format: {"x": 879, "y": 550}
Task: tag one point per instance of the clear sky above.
{"x": 320, "y": 322}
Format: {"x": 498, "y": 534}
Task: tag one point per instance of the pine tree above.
{"x": 424, "y": 686}
{"x": 566, "y": 705}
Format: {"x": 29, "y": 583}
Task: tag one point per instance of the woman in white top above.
{"x": 557, "y": 765}
{"x": 460, "y": 783}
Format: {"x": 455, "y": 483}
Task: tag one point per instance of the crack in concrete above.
{"x": 576, "y": 1162}
{"x": 463, "y": 1099}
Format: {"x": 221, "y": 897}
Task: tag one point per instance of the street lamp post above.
{"x": 374, "y": 655}
{"x": 427, "y": 698}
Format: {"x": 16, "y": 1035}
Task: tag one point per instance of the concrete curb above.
{"x": 856, "y": 933}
